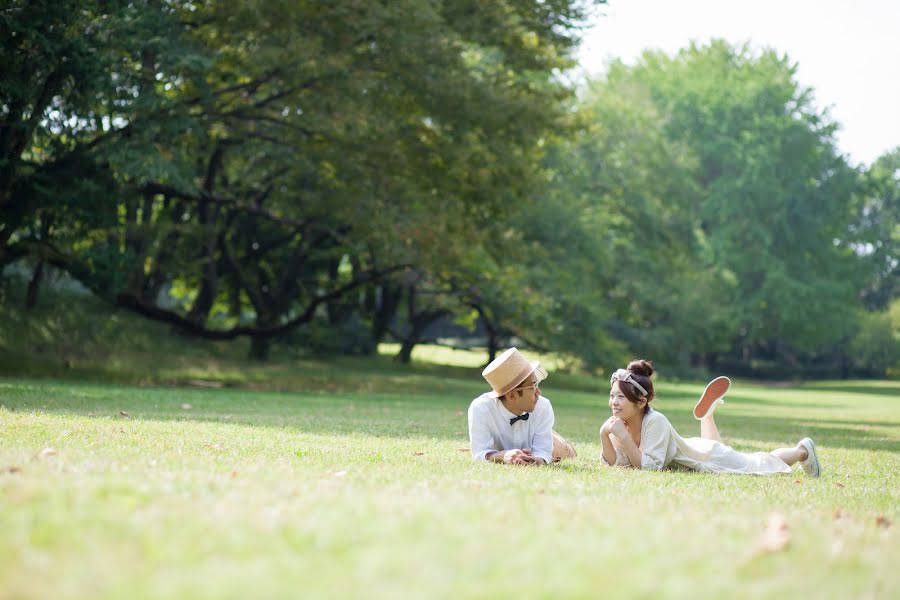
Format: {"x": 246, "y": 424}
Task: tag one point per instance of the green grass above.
{"x": 356, "y": 484}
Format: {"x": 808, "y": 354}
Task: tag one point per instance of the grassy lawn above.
{"x": 356, "y": 483}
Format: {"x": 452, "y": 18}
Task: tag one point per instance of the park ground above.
{"x": 351, "y": 478}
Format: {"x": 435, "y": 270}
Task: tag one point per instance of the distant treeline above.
{"x": 337, "y": 174}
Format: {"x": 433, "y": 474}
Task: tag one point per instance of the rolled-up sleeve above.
{"x": 481, "y": 441}
{"x": 542, "y": 432}
{"x": 654, "y": 444}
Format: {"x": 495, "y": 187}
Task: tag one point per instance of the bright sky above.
{"x": 848, "y": 52}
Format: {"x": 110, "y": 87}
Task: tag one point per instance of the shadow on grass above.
{"x": 884, "y": 388}
{"x": 398, "y": 415}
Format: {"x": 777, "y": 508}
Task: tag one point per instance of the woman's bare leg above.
{"x": 791, "y": 455}
{"x": 708, "y": 429}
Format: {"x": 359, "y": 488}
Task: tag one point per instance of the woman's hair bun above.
{"x": 641, "y": 367}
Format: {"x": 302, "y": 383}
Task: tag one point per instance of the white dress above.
{"x": 662, "y": 446}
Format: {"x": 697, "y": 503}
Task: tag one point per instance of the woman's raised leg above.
{"x": 708, "y": 429}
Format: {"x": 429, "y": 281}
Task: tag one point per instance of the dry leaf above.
{"x": 124, "y": 413}
{"x": 213, "y": 446}
{"x": 418, "y": 453}
{"x": 13, "y": 469}
{"x": 838, "y": 484}
{"x": 798, "y": 481}
{"x": 47, "y": 452}
{"x": 186, "y": 406}
{"x": 882, "y": 521}
{"x": 839, "y": 514}
{"x": 776, "y": 536}
{"x": 233, "y": 474}
{"x": 459, "y": 413}
{"x": 462, "y": 449}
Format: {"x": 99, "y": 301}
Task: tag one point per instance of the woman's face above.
{"x": 621, "y": 406}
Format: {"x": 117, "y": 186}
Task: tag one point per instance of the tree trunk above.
{"x": 384, "y": 311}
{"x": 417, "y": 327}
{"x": 32, "y": 295}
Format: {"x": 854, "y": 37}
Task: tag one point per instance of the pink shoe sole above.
{"x": 714, "y": 390}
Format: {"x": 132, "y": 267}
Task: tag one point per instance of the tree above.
{"x": 774, "y": 198}
{"x": 259, "y": 163}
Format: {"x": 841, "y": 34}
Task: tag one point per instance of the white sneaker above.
{"x": 810, "y": 464}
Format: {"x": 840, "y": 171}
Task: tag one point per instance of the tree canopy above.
{"x": 339, "y": 174}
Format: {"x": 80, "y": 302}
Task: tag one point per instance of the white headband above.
{"x": 628, "y": 377}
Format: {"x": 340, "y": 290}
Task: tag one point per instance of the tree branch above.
{"x": 135, "y": 304}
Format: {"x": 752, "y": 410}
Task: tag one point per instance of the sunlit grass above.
{"x": 114, "y": 491}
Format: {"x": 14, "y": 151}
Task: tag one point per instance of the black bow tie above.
{"x": 519, "y": 418}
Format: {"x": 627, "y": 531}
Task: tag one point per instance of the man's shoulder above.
{"x": 482, "y": 403}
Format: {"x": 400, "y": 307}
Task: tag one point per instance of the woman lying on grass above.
{"x": 640, "y": 437}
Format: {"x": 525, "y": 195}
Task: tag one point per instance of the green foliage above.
{"x": 719, "y": 218}
{"x": 876, "y": 346}
{"x": 364, "y": 170}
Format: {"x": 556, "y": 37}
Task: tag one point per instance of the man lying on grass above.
{"x": 513, "y": 423}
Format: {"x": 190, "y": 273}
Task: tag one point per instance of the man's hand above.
{"x": 519, "y": 457}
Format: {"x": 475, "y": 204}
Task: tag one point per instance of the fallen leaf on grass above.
{"x": 186, "y": 406}
{"x": 462, "y": 449}
{"x": 12, "y": 470}
{"x": 839, "y": 514}
{"x": 47, "y": 452}
{"x": 459, "y": 413}
{"x": 418, "y": 453}
{"x": 776, "y": 536}
{"x": 233, "y": 474}
{"x": 882, "y": 521}
{"x": 124, "y": 413}
{"x": 213, "y": 446}
{"x": 838, "y": 484}
{"x": 798, "y": 481}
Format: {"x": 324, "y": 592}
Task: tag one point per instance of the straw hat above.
{"x": 509, "y": 370}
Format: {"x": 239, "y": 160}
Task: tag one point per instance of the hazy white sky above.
{"x": 848, "y": 52}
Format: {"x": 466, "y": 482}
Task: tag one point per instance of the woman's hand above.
{"x": 604, "y": 429}
{"x": 617, "y": 427}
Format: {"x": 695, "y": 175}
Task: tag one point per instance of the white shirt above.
{"x": 490, "y": 431}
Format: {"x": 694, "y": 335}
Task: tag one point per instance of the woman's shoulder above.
{"x": 654, "y": 417}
